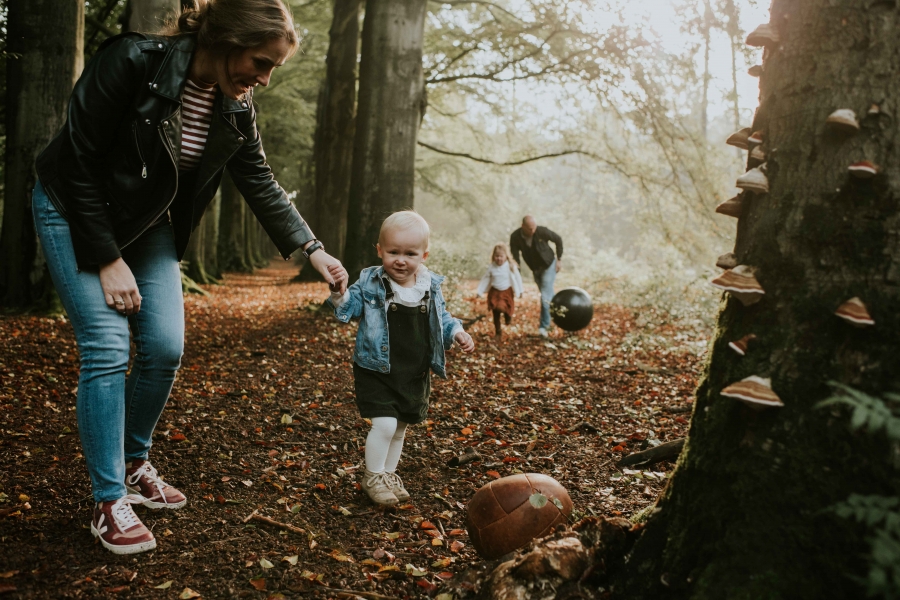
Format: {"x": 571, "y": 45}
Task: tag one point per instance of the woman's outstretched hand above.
{"x": 119, "y": 287}
{"x": 331, "y": 270}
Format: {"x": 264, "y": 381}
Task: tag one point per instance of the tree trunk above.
{"x": 707, "y": 33}
{"x": 391, "y": 99}
{"x": 232, "y": 237}
{"x": 745, "y": 514}
{"x": 48, "y": 36}
{"x": 210, "y": 225}
{"x": 336, "y": 118}
{"x": 149, "y": 16}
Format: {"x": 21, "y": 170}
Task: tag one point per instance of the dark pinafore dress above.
{"x": 403, "y": 393}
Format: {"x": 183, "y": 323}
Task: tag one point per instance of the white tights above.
{"x": 384, "y": 444}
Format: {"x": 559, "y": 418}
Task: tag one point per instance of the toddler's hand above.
{"x": 465, "y": 341}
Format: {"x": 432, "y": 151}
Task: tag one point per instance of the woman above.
{"x": 152, "y": 124}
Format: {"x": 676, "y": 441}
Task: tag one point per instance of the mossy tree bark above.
{"x": 390, "y": 105}
{"x": 149, "y": 16}
{"x": 335, "y": 123}
{"x": 201, "y": 254}
{"x": 745, "y": 514}
{"x": 45, "y": 46}
{"x": 232, "y": 233}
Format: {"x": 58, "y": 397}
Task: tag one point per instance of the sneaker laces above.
{"x": 394, "y": 479}
{"x": 383, "y": 478}
{"x": 147, "y": 470}
{"x": 123, "y": 514}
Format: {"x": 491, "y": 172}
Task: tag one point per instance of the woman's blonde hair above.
{"x": 405, "y": 220}
{"x": 223, "y": 26}
{"x": 505, "y": 249}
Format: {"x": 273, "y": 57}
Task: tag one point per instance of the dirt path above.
{"x": 262, "y": 419}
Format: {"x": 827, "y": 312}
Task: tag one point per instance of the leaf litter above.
{"x": 262, "y": 418}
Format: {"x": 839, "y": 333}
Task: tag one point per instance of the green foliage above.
{"x": 287, "y": 107}
{"x": 873, "y": 414}
{"x": 879, "y": 514}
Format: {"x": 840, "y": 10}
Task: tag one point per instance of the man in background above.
{"x": 531, "y": 241}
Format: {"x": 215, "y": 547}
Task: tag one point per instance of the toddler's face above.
{"x": 402, "y": 252}
{"x": 499, "y": 257}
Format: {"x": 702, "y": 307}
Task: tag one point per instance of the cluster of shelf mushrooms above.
{"x": 740, "y": 280}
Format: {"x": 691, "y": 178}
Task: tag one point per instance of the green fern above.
{"x": 880, "y": 514}
{"x": 868, "y": 411}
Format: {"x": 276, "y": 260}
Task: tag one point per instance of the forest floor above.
{"x": 262, "y": 419}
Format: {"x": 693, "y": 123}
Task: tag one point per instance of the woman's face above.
{"x": 499, "y": 257}
{"x": 244, "y": 69}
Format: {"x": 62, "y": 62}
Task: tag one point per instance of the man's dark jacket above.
{"x": 540, "y": 255}
{"x": 112, "y": 170}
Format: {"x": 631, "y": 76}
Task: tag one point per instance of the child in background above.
{"x": 505, "y": 284}
{"x": 404, "y": 330}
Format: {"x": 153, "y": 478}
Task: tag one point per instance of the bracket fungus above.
{"x": 864, "y": 169}
{"x": 755, "y": 392}
{"x": 754, "y": 180}
{"x": 874, "y": 110}
{"x": 763, "y": 36}
{"x": 755, "y": 138}
{"x": 843, "y": 120}
{"x": 738, "y": 139}
{"x": 755, "y": 71}
{"x": 757, "y": 156}
{"x": 733, "y": 207}
{"x": 854, "y": 312}
{"x": 741, "y": 283}
{"x": 740, "y": 346}
{"x": 727, "y": 261}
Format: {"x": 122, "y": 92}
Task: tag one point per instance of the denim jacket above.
{"x": 366, "y": 302}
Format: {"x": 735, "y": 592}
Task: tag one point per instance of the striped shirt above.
{"x": 196, "y": 115}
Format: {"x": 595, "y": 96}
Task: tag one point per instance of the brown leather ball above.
{"x": 502, "y": 518}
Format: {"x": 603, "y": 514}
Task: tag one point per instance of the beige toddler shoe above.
{"x": 377, "y": 486}
{"x": 397, "y": 486}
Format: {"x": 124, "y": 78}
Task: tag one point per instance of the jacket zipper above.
{"x": 167, "y": 143}
{"x": 137, "y": 143}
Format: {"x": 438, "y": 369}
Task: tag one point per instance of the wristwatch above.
{"x": 316, "y": 245}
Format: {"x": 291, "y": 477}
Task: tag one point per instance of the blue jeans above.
{"x": 116, "y": 417}
{"x": 544, "y": 280}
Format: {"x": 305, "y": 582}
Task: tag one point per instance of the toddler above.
{"x": 404, "y": 329}
{"x": 505, "y": 284}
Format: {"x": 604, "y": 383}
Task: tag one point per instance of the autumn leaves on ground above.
{"x": 262, "y": 435}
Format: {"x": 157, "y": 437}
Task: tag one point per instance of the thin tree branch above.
{"x": 512, "y": 163}
{"x": 482, "y": 2}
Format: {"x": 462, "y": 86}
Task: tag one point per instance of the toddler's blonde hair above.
{"x": 505, "y": 248}
{"x": 406, "y": 220}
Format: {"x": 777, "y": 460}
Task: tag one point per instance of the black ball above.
{"x": 571, "y": 309}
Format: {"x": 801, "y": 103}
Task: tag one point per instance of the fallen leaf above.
{"x": 259, "y": 583}
{"x": 494, "y": 474}
{"x": 163, "y": 586}
{"x": 291, "y": 559}
{"x": 538, "y": 500}
{"x": 188, "y": 593}
{"x": 265, "y": 564}
{"x": 340, "y": 556}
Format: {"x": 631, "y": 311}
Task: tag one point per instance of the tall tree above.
{"x": 333, "y": 151}
{"x": 150, "y": 15}
{"x": 233, "y": 241}
{"x": 46, "y": 37}
{"x": 746, "y": 513}
{"x": 390, "y": 109}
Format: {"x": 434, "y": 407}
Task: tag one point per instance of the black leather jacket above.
{"x": 541, "y": 255}
{"x": 112, "y": 170}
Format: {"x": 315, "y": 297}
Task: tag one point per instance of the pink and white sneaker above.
{"x": 141, "y": 479}
{"x": 119, "y": 529}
